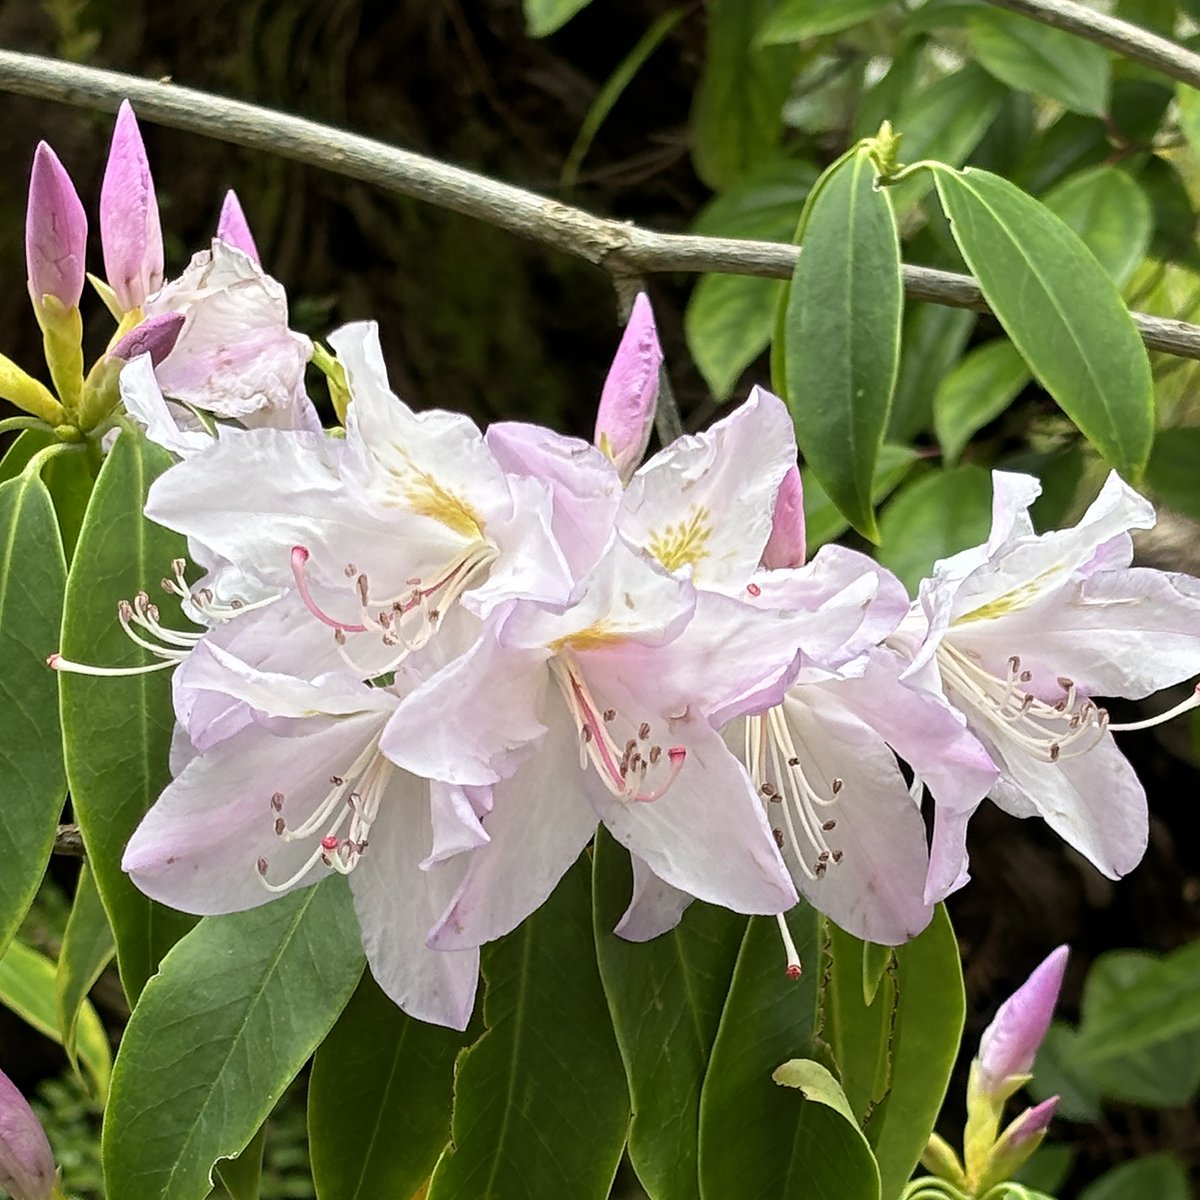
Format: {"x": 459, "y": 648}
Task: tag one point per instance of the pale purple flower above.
{"x": 55, "y": 232}
{"x": 233, "y": 228}
{"x": 626, "y": 412}
{"x": 235, "y": 355}
{"x": 1010, "y": 1043}
{"x": 1023, "y": 631}
{"x": 27, "y": 1169}
{"x": 130, "y": 232}
{"x": 786, "y": 545}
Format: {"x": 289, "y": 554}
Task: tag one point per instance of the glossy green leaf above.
{"x": 935, "y": 516}
{"x": 1111, "y": 214}
{"x": 666, "y": 997}
{"x": 934, "y": 338}
{"x": 32, "y": 780}
{"x": 841, "y": 334}
{"x": 795, "y": 20}
{"x": 1071, "y": 143}
{"x": 241, "y": 1176}
{"x": 925, "y": 1044}
{"x": 1060, "y": 308}
{"x": 379, "y": 1100}
{"x": 757, "y": 1141}
{"x": 27, "y": 988}
{"x": 1171, "y": 472}
{"x": 730, "y": 318}
{"x": 544, "y": 17}
{"x": 822, "y": 520}
{"x": 979, "y": 388}
{"x": 1057, "y": 1072}
{"x": 21, "y": 449}
{"x": 737, "y": 115}
{"x": 250, "y": 997}
{"x": 816, "y": 1084}
{"x": 1032, "y": 57}
{"x": 70, "y": 477}
{"x": 876, "y": 960}
{"x": 87, "y": 948}
{"x": 1155, "y": 1177}
{"x": 540, "y": 1105}
{"x": 117, "y": 731}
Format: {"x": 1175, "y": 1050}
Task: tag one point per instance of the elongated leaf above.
{"x": 249, "y": 997}
{"x": 1111, "y": 214}
{"x": 540, "y": 1103}
{"x": 1161, "y": 1176}
{"x": 32, "y": 779}
{"x": 737, "y": 116}
{"x": 21, "y": 449}
{"x": 934, "y": 338}
{"x": 1171, "y": 472}
{"x": 666, "y": 998}
{"x": 823, "y": 522}
{"x": 87, "y": 948}
{"x": 27, "y": 987}
{"x": 981, "y": 386}
{"x": 1060, "y": 308}
{"x": 925, "y": 1042}
{"x": 730, "y": 318}
{"x": 1031, "y": 57}
{"x": 1057, "y": 1072}
{"x": 756, "y": 1140}
{"x": 241, "y": 1176}
{"x": 544, "y": 17}
{"x": 795, "y": 20}
{"x": 842, "y": 334}
{"x": 379, "y": 1100}
{"x": 117, "y": 731}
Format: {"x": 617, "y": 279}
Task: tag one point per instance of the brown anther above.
{"x": 434, "y": 614}
{"x": 235, "y": 604}
{"x": 363, "y": 589}
{"x": 777, "y": 834}
{"x": 280, "y": 826}
{"x": 828, "y": 825}
{"x": 262, "y": 866}
{"x": 586, "y": 733}
{"x": 610, "y": 714}
{"x": 179, "y": 565}
{"x": 823, "y": 856}
{"x": 794, "y": 761}
{"x": 167, "y": 585}
{"x": 336, "y": 780}
{"x": 819, "y": 869}
{"x": 1025, "y": 676}
{"x": 1014, "y": 664}
{"x": 655, "y": 754}
{"x": 838, "y": 855}
{"x": 351, "y": 570}
{"x": 1065, "y": 683}
{"x": 644, "y": 730}
{"x": 277, "y": 801}
{"x": 339, "y": 636}
{"x": 415, "y": 581}
{"x": 835, "y": 785}
{"x": 124, "y": 610}
{"x": 1055, "y": 751}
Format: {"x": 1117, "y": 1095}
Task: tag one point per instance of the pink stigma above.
{"x": 794, "y": 970}
{"x": 676, "y": 755}
{"x": 329, "y": 842}
{"x": 754, "y": 589}
{"x": 299, "y": 558}
{"x": 54, "y": 661}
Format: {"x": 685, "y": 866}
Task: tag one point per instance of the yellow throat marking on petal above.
{"x": 593, "y": 637}
{"x": 682, "y": 545}
{"x": 429, "y": 498}
{"x": 1012, "y": 601}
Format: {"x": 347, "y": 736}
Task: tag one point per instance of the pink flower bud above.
{"x": 1015, "y": 1145}
{"x": 626, "y": 410}
{"x": 155, "y": 336}
{"x": 1010, "y": 1043}
{"x": 233, "y": 229}
{"x": 26, "y": 1160}
{"x": 785, "y": 547}
{"x": 55, "y": 232}
{"x": 130, "y": 232}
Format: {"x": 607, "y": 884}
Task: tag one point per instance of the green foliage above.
{"x": 540, "y": 1105}
{"x": 839, "y": 382}
{"x": 975, "y": 392}
{"x": 257, "y": 992}
{"x": 32, "y": 779}
{"x": 117, "y": 731}
{"x": 1161, "y": 1176}
{"x": 87, "y": 948}
{"x": 795, "y": 20}
{"x": 544, "y": 17}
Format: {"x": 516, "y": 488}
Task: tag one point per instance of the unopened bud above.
{"x": 627, "y": 403}
{"x": 130, "y": 232}
{"x": 233, "y": 228}
{"x": 26, "y": 1160}
{"x": 786, "y": 545}
{"x": 1017, "y": 1143}
{"x": 55, "y": 232}
{"x": 155, "y": 336}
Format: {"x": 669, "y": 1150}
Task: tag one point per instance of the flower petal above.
{"x": 654, "y": 908}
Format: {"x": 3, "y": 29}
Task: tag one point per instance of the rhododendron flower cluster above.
{"x": 435, "y": 660}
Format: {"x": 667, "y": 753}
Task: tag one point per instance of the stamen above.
{"x": 795, "y": 968}
{"x": 300, "y": 556}
{"x": 56, "y": 662}
{"x": 1193, "y": 701}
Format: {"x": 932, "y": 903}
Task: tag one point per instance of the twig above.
{"x": 619, "y": 247}
{"x": 1130, "y": 41}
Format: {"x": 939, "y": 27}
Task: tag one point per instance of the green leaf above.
{"x": 822, "y": 520}
{"x": 1060, "y": 308}
{"x": 1071, "y": 143}
{"x": 1161, "y": 1176}
{"x": 1188, "y": 99}
{"x": 754, "y": 1140}
{"x": 255, "y": 992}
{"x": 1031, "y": 57}
{"x": 241, "y": 1176}
{"x": 87, "y": 948}
{"x": 925, "y": 1043}
{"x": 32, "y": 780}
{"x": 27, "y": 988}
{"x": 117, "y": 732}
{"x": 540, "y": 1105}
{"x": 730, "y": 318}
{"x": 1057, "y": 1072}
{"x": 876, "y": 960}
{"x": 665, "y": 997}
{"x": 979, "y": 388}
{"x": 379, "y": 1100}
{"x": 935, "y": 516}
{"x": 816, "y": 1083}
{"x": 737, "y": 115}
{"x": 21, "y": 449}
{"x": 1111, "y": 214}
{"x": 1171, "y": 472}
{"x": 934, "y": 338}
{"x": 543, "y": 17}
{"x": 841, "y": 347}
{"x": 795, "y": 20}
